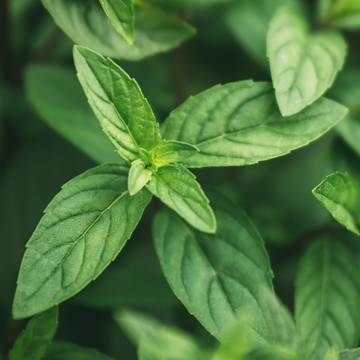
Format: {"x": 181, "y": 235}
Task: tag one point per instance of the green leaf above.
{"x": 139, "y": 176}
{"x": 340, "y": 195}
{"x": 343, "y": 14}
{"x": 215, "y": 276}
{"x": 248, "y": 20}
{"x": 34, "y": 341}
{"x": 168, "y": 152}
{"x": 347, "y": 91}
{"x": 124, "y": 114}
{"x": 86, "y": 24}
{"x": 326, "y": 298}
{"x": 239, "y": 124}
{"x": 353, "y": 354}
{"x": 84, "y": 228}
{"x": 156, "y": 340}
{"x": 303, "y": 64}
{"x": 122, "y": 17}
{"x": 177, "y": 187}
{"x": 64, "y": 350}
{"x": 64, "y": 108}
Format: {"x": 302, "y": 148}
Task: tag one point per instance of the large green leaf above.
{"x": 177, "y": 187}
{"x": 353, "y": 354}
{"x": 215, "y": 276}
{"x": 303, "y": 65}
{"x": 67, "y": 351}
{"x": 156, "y": 340}
{"x": 34, "y": 341}
{"x": 86, "y": 24}
{"x": 83, "y": 230}
{"x": 239, "y": 124}
{"x": 248, "y": 21}
{"x": 343, "y": 14}
{"x": 122, "y": 17}
{"x": 327, "y": 294}
{"x": 340, "y": 195}
{"x": 56, "y": 95}
{"x": 124, "y": 113}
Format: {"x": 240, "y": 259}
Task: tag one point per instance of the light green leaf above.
{"x": 168, "y": 152}
{"x": 67, "y": 351}
{"x": 124, "y": 114}
{"x": 353, "y": 354}
{"x": 84, "y": 228}
{"x": 215, "y": 276}
{"x": 340, "y": 195}
{"x": 156, "y": 340}
{"x": 239, "y": 124}
{"x": 122, "y": 17}
{"x": 344, "y": 14}
{"x": 248, "y": 20}
{"x": 86, "y": 24}
{"x": 34, "y": 341}
{"x": 326, "y": 298}
{"x": 139, "y": 176}
{"x": 177, "y": 187}
{"x": 350, "y": 132}
{"x": 63, "y": 107}
{"x": 303, "y": 64}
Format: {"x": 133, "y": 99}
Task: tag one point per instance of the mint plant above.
{"x": 283, "y": 286}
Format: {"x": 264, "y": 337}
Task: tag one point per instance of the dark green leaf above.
{"x": 239, "y": 124}
{"x": 215, "y": 276}
{"x": 326, "y": 301}
{"x": 84, "y": 228}
{"x": 63, "y": 106}
{"x": 34, "y": 341}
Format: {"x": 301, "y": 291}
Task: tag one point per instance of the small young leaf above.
{"x": 215, "y": 276}
{"x": 340, "y": 195}
{"x": 353, "y": 354}
{"x": 66, "y": 351}
{"x": 139, "y": 176}
{"x": 34, "y": 341}
{"x": 177, "y": 187}
{"x": 303, "y": 65}
{"x": 343, "y": 14}
{"x": 122, "y": 17}
{"x": 168, "y": 152}
{"x": 124, "y": 114}
{"x": 326, "y": 298}
{"x": 239, "y": 124}
{"x": 156, "y": 340}
{"x": 84, "y": 228}
{"x": 86, "y": 24}
{"x": 64, "y": 108}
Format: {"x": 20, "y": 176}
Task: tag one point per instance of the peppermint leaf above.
{"x": 327, "y": 292}
{"x": 122, "y": 17}
{"x": 139, "y": 176}
{"x": 33, "y": 342}
{"x": 83, "y": 229}
{"x": 239, "y": 124}
{"x": 86, "y": 24}
{"x": 353, "y": 354}
{"x": 215, "y": 276}
{"x": 339, "y": 193}
{"x": 177, "y": 187}
{"x": 303, "y": 64}
{"x": 124, "y": 114}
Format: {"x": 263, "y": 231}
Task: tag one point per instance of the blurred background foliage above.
{"x": 38, "y": 83}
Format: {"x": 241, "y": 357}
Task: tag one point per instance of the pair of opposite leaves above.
{"x": 87, "y": 224}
